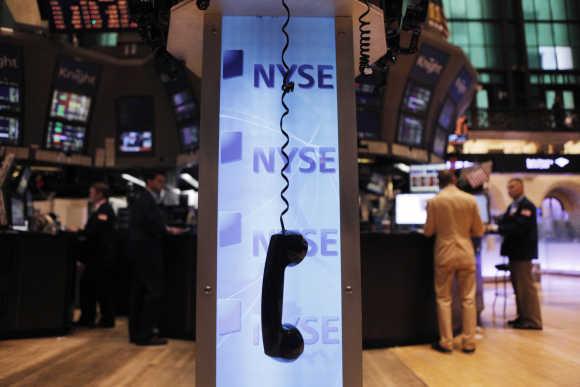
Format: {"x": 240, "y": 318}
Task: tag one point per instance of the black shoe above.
{"x": 469, "y": 351}
{"x": 514, "y": 321}
{"x": 522, "y": 325}
{"x": 83, "y": 324}
{"x": 152, "y": 341}
{"x": 106, "y": 324}
{"x": 439, "y": 348}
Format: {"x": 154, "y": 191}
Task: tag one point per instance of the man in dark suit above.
{"x": 98, "y": 252}
{"x": 519, "y": 229}
{"x": 146, "y": 232}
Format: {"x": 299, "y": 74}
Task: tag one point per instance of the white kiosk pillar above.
{"x": 240, "y": 183}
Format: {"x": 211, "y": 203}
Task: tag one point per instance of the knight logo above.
{"x": 8, "y": 63}
{"x": 429, "y": 65}
{"x": 305, "y": 76}
{"x": 78, "y": 76}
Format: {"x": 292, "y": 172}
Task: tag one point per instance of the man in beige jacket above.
{"x": 453, "y": 217}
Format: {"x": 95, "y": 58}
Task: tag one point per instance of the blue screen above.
{"x": 249, "y": 204}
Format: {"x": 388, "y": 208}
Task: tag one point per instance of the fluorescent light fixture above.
{"x": 7, "y": 30}
{"x": 189, "y": 180}
{"x": 403, "y": 167}
{"x": 133, "y": 179}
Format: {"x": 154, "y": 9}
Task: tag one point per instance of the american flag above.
{"x": 478, "y": 174}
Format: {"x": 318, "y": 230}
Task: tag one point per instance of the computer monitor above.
{"x": 483, "y": 205}
{"x": 185, "y": 106}
{"x": 368, "y": 123}
{"x": 9, "y": 130}
{"x": 17, "y": 212}
{"x": 136, "y": 142}
{"x": 424, "y": 178}
{"x": 440, "y": 142}
{"x": 70, "y": 106}
{"x": 86, "y": 16}
{"x": 411, "y": 130}
{"x": 190, "y": 136}
{"x": 416, "y": 99}
{"x": 9, "y": 97}
{"x": 66, "y": 138}
{"x": 447, "y": 115}
{"x": 411, "y": 209}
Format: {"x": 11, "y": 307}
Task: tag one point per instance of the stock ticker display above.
{"x": 89, "y": 15}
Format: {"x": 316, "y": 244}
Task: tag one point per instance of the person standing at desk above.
{"x": 98, "y": 249}
{"x": 519, "y": 229}
{"x": 146, "y": 232}
{"x": 453, "y": 217}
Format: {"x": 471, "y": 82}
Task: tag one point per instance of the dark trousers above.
{"x": 96, "y": 285}
{"x": 527, "y": 300}
{"x": 146, "y": 290}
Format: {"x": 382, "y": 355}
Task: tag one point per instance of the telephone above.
{"x": 281, "y": 341}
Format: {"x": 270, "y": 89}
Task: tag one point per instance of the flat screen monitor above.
{"x": 136, "y": 142}
{"x": 135, "y": 114}
{"x": 89, "y": 15}
{"x": 190, "y": 136}
{"x": 424, "y": 178}
{"x": 483, "y": 205}
{"x": 185, "y": 106}
{"x": 66, "y": 138}
{"x": 17, "y": 212}
{"x": 9, "y": 97}
{"x": 440, "y": 142}
{"x": 446, "y": 116}
{"x": 411, "y": 209}
{"x": 9, "y": 130}
{"x": 368, "y": 123}
{"x": 416, "y": 98}
{"x": 411, "y": 130}
{"x": 70, "y": 106}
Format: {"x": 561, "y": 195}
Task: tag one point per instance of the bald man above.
{"x": 453, "y": 217}
{"x": 519, "y": 229}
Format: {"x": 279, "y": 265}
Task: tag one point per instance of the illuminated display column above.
{"x": 240, "y": 201}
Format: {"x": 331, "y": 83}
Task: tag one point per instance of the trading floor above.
{"x": 504, "y": 357}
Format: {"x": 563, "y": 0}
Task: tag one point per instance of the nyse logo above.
{"x": 315, "y": 329}
{"x": 320, "y": 242}
{"x": 78, "y": 76}
{"x": 305, "y": 160}
{"x": 8, "y": 63}
{"x": 306, "y": 76}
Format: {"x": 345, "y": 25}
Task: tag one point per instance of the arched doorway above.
{"x": 559, "y": 229}
{"x": 554, "y": 220}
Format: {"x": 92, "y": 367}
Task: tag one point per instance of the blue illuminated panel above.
{"x": 249, "y": 199}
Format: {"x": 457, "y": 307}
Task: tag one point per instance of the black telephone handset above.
{"x": 281, "y": 341}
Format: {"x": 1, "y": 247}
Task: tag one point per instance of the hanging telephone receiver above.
{"x": 281, "y": 341}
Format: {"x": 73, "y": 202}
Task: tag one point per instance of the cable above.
{"x": 365, "y": 41}
{"x": 287, "y": 87}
